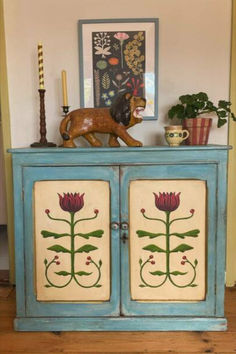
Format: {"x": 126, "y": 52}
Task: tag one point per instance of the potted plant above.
{"x": 189, "y": 110}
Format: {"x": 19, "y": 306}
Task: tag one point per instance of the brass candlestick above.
{"x": 43, "y": 141}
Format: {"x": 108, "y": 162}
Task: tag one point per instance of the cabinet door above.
{"x": 171, "y": 212}
{"x": 70, "y": 250}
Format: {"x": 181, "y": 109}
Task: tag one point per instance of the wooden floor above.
{"x": 114, "y": 342}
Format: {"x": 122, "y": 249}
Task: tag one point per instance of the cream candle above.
{"x": 64, "y": 88}
{"x": 40, "y": 65}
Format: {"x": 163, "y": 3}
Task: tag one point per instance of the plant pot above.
{"x": 199, "y": 129}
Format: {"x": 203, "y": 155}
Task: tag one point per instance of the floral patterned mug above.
{"x": 175, "y": 134}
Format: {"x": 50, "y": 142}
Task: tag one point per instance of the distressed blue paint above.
{"x": 120, "y": 20}
{"x": 200, "y": 172}
{"x": 203, "y": 162}
{"x": 220, "y": 238}
{"x": 39, "y": 308}
{"x": 122, "y": 324}
{"x": 19, "y": 239}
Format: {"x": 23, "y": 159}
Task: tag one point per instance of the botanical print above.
{"x": 118, "y": 65}
{"x": 167, "y": 203}
{"x": 72, "y": 204}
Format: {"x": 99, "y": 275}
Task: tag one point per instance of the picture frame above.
{"x": 116, "y": 56}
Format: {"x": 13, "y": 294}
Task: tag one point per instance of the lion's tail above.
{"x": 63, "y": 127}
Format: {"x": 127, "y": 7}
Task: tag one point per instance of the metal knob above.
{"x": 115, "y": 226}
{"x": 124, "y": 226}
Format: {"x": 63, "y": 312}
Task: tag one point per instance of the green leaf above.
{"x": 202, "y": 96}
{"x": 233, "y": 116}
{"x": 193, "y": 285}
{"x": 47, "y": 286}
{"x": 142, "y": 233}
{"x": 100, "y": 263}
{"x": 190, "y": 233}
{"x": 182, "y": 248}
{"x": 157, "y": 272}
{"x": 82, "y": 273}
{"x": 222, "y": 114}
{"x": 97, "y": 233}
{"x": 45, "y": 261}
{"x": 142, "y": 286}
{"x": 86, "y": 248}
{"x": 98, "y": 286}
{"x": 140, "y": 261}
{"x": 221, "y": 122}
{"x": 196, "y": 262}
{"x": 153, "y": 248}
{"x": 58, "y": 248}
{"x": 224, "y": 104}
{"x": 46, "y": 233}
{"x": 176, "y": 272}
{"x": 62, "y": 272}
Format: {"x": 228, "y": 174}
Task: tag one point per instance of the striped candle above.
{"x": 40, "y": 64}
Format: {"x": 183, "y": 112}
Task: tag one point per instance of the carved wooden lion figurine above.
{"x": 123, "y": 114}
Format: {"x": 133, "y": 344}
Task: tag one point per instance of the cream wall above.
{"x": 194, "y": 55}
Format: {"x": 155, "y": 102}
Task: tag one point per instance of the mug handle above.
{"x": 187, "y": 134}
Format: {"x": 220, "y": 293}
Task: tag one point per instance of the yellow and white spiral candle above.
{"x": 40, "y": 64}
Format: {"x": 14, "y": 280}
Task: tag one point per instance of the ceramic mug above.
{"x": 175, "y": 134}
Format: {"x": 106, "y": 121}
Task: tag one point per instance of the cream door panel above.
{"x": 168, "y": 240}
{"x": 72, "y": 240}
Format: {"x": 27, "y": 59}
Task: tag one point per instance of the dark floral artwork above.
{"x": 167, "y": 203}
{"x": 72, "y": 203}
{"x": 118, "y": 65}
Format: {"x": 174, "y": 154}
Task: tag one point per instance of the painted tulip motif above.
{"x": 72, "y": 203}
{"x": 168, "y": 203}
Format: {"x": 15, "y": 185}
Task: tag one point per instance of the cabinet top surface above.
{"x": 123, "y": 149}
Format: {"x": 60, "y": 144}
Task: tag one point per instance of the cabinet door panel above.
{"x": 73, "y": 247}
{"x": 171, "y": 236}
{"x": 167, "y": 240}
{"x": 72, "y": 240}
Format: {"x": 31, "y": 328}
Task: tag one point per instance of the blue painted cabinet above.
{"x": 120, "y": 239}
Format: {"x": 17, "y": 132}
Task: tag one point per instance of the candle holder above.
{"x": 43, "y": 141}
{"x": 65, "y": 110}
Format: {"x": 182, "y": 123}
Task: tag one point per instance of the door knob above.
{"x": 115, "y": 226}
{"x": 124, "y": 226}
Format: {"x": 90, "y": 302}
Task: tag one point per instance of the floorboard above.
{"x": 115, "y": 342}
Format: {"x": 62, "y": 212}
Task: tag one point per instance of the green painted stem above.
{"x": 187, "y": 217}
{"x": 190, "y": 283}
{"x": 95, "y": 283}
{"x": 54, "y": 285}
{"x": 72, "y": 248}
{"x": 79, "y": 220}
{"x": 141, "y": 276}
{"x": 72, "y": 235}
{"x": 167, "y": 242}
{"x": 167, "y": 251}
{"x": 50, "y": 217}
{"x": 146, "y": 217}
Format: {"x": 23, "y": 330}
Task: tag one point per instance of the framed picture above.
{"x": 118, "y": 56}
